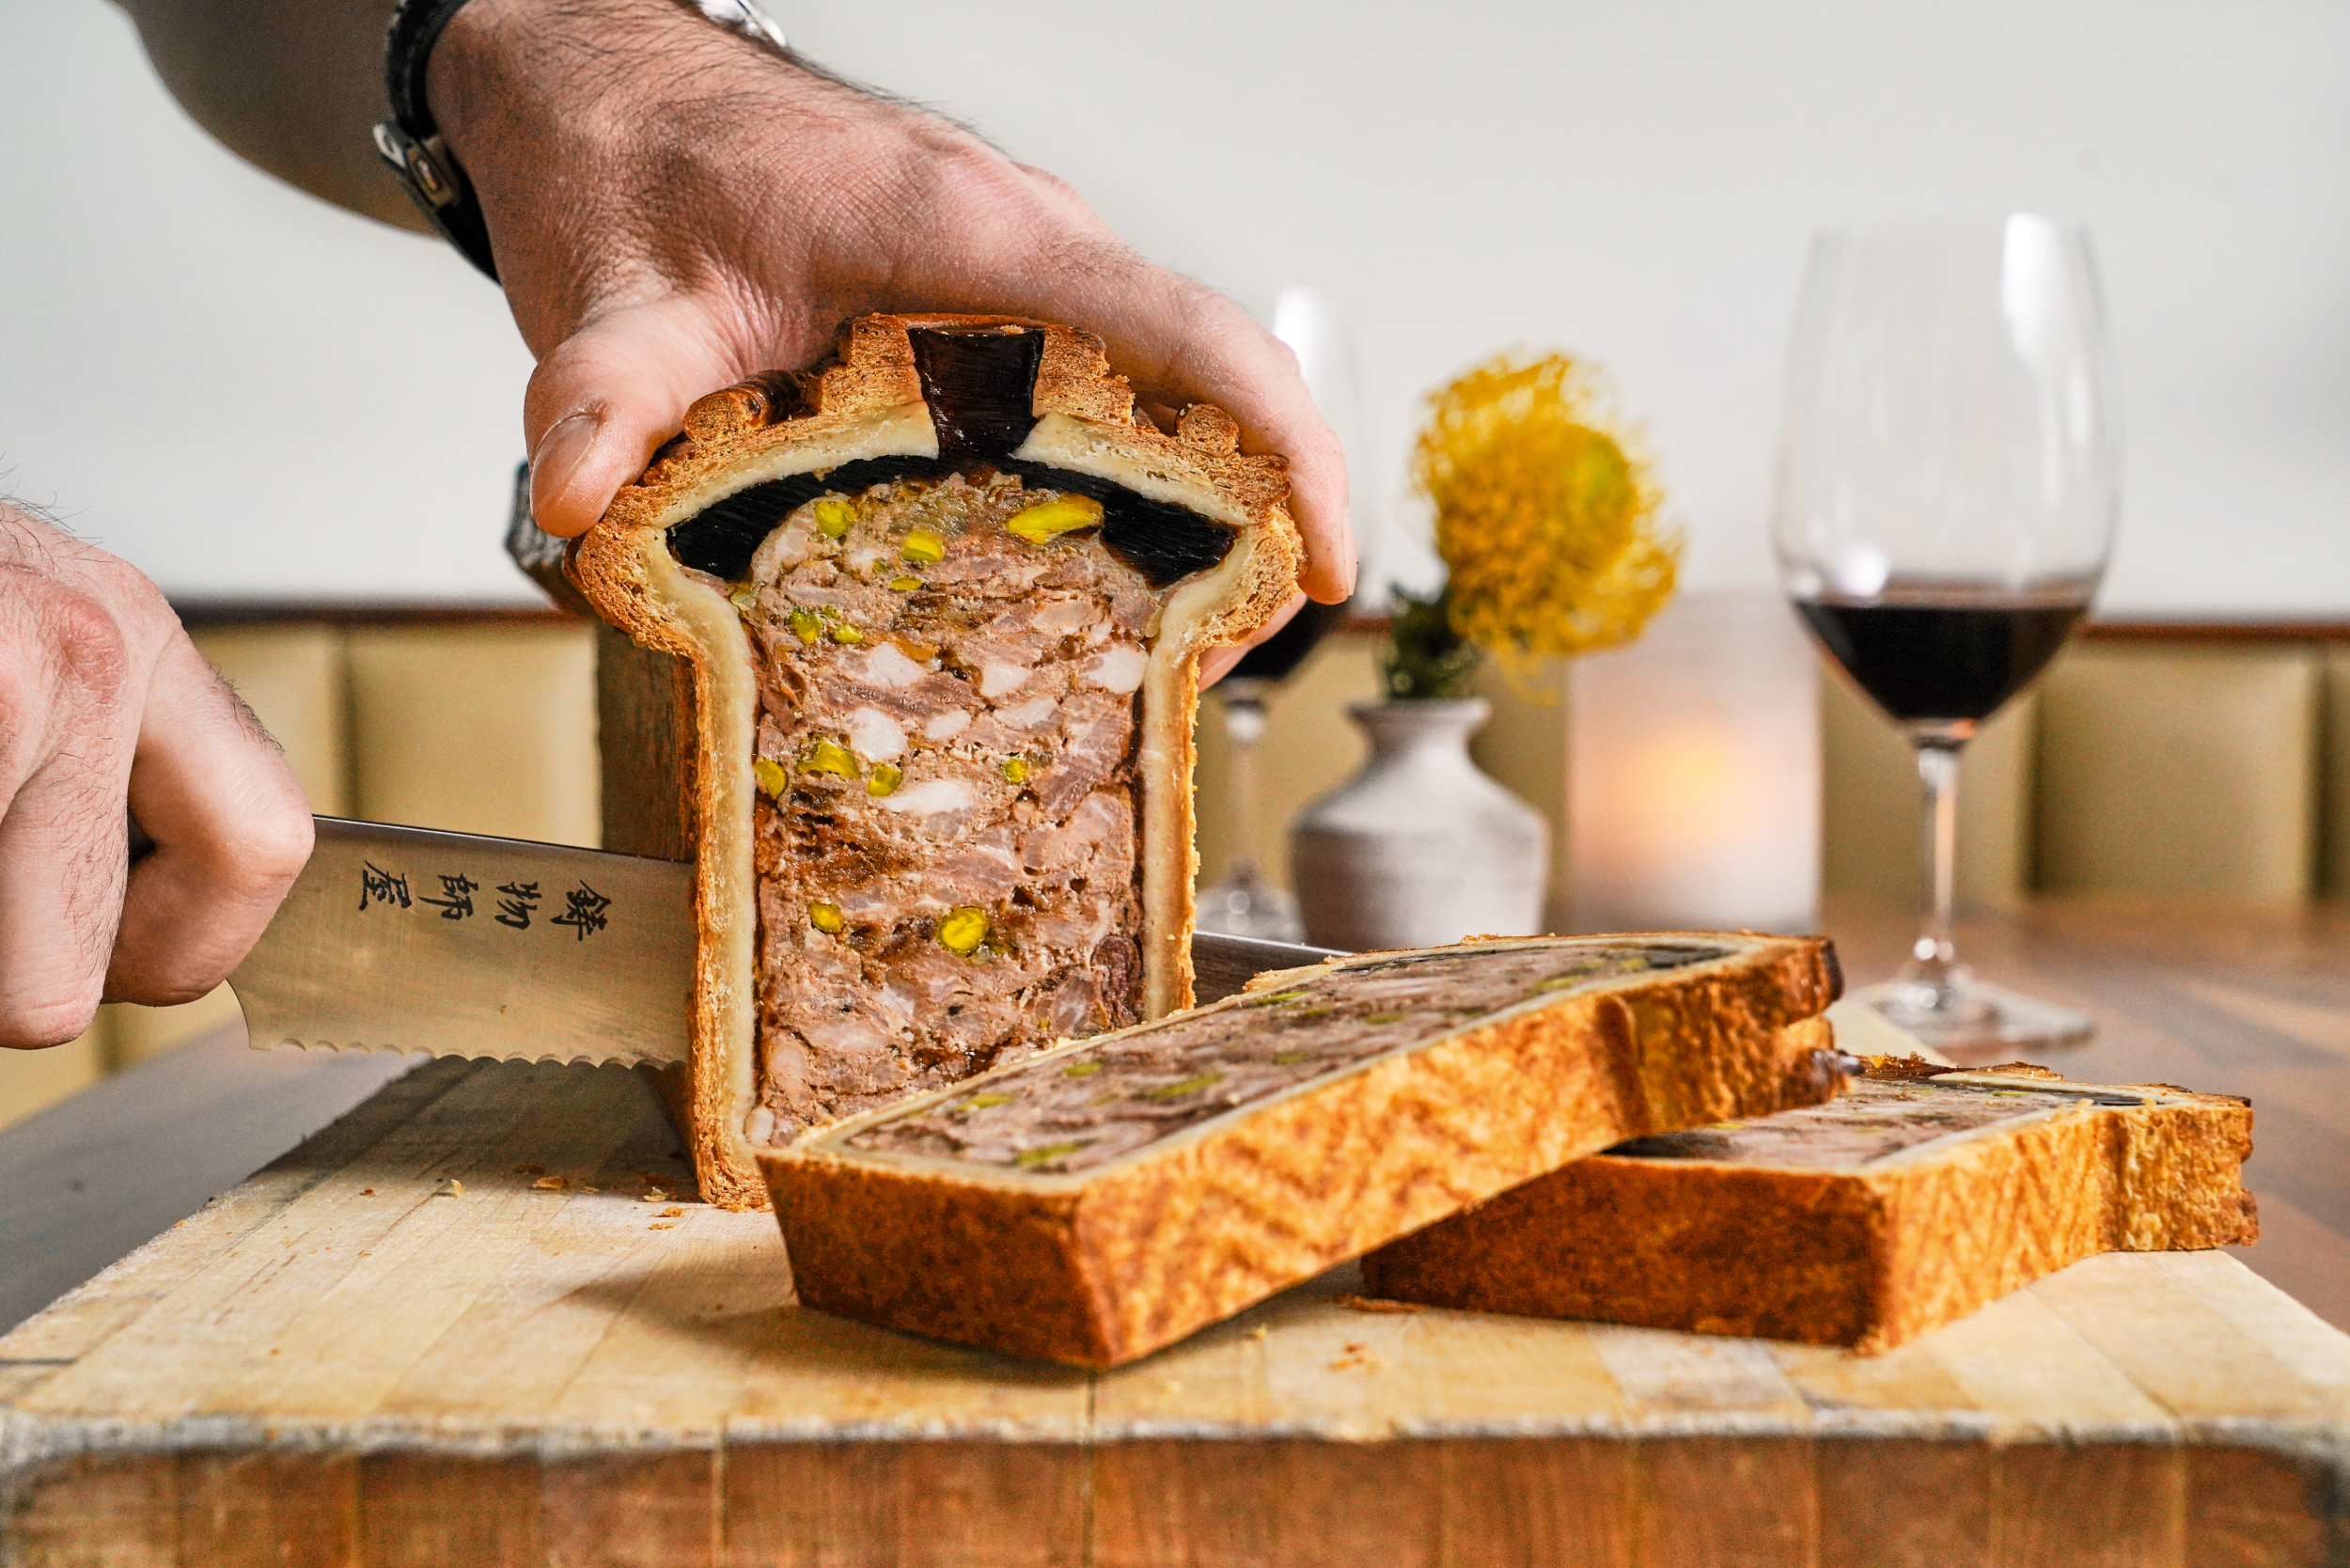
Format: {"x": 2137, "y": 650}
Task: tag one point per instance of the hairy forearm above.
{"x": 294, "y": 87}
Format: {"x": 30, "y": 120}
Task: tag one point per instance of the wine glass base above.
{"x": 1982, "y": 1022}
{"x": 1248, "y": 905}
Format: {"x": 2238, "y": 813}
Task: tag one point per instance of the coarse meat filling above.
{"x": 1082, "y": 1109}
{"x": 950, "y": 677}
{"x": 1873, "y": 1121}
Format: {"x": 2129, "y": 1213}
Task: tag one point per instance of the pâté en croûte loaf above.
{"x": 1922, "y": 1194}
{"x": 1112, "y": 1195}
{"x": 912, "y": 679}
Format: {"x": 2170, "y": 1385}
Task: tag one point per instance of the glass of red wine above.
{"x": 1949, "y": 476}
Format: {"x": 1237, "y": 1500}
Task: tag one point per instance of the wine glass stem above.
{"x": 1933, "y": 958}
{"x": 1244, "y": 725}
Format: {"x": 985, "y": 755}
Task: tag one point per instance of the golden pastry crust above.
{"x": 1105, "y": 1264}
{"x": 869, "y": 404}
{"x": 1866, "y": 1252}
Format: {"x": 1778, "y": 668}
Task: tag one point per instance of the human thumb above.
{"x": 604, "y": 401}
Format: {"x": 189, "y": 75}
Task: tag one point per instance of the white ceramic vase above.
{"x": 1419, "y": 848}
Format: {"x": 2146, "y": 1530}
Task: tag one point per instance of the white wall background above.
{"x": 249, "y": 393}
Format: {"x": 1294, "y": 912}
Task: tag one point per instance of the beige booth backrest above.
{"x": 481, "y": 724}
{"x": 2151, "y": 764}
{"x": 2157, "y": 763}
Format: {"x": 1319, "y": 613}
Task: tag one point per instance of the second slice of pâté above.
{"x": 1922, "y": 1195}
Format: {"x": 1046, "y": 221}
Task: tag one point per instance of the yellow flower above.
{"x": 1546, "y": 522}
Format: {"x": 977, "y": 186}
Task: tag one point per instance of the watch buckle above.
{"x": 422, "y": 166}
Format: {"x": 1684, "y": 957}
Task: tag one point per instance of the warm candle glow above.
{"x": 1693, "y": 783}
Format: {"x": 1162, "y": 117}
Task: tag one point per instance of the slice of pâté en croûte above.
{"x": 1921, "y": 1195}
{"x": 917, "y": 669}
{"x": 1116, "y": 1194}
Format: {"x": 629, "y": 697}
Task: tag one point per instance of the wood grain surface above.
{"x": 351, "y": 1360}
{"x": 87, "y": 1179}
{"x": 2248, "y": 997}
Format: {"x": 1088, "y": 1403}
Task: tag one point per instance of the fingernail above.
{"x": 560, "y": 452}
{"x": 1342, "y": 575}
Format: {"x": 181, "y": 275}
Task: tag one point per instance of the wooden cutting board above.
{"x": 350, "y": 1360}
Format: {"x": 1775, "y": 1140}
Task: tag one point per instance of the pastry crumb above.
{"x": 654, "y": 1195}
{"x": 553, "y": 1184}
{"x": 450, "y": 1188}
{"x": 1377, "y": 1304}
{"x": 1257, "y": 1332}
{"x": 673, "y": 1214}
{"x": 670, "y": 1226}
{"x": 364, "y": 1192}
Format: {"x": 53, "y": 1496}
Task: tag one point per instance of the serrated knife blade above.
{"x": 411, "y": 939}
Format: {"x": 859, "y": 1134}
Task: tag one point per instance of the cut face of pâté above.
{"x": 949, "y": 675}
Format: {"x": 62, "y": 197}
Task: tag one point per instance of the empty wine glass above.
{"x": 1949, "y": 476}
{"x": 1244, "y": 903}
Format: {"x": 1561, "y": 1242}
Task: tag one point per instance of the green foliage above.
{"x": 1424, "y": 658}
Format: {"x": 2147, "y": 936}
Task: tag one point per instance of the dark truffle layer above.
{"x": 979, "y": 386}
{"x": 1165, "y": 543}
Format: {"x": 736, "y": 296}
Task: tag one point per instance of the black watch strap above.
{"x": 411, "y": 142}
